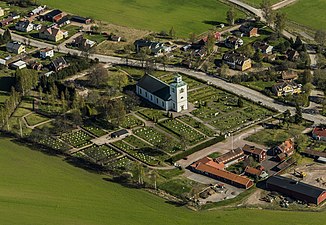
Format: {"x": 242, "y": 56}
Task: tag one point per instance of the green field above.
{"x": 157, "y": 15}
{"x": 309, "y": 13}
{"x": 257, "y": 3}
{"x": 39, "y": 189}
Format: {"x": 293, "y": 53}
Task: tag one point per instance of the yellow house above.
{"x": 52, "y": 34}
{"x": 237, "y": 61}
{"x": 15, "y": 47}
{"x": 286, "y": 88}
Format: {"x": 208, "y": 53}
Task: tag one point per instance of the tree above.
{"x": 307, "y": 77}
{"x": 224, "y": 70}
{"x": 230, "y": 16}
{"x": 240, "y": 103}
{"x": 6, "y": 36}
{"x": 172, "y": 33}
{"x": 118, "y": 80}
{"x": 268, "y": 13}
{"x": 298, "y": 115}
{"x": 287, "y": 117}
{"x": 280, "y": 21}
{"x": 320, "y": 37}
{"x": 210, "y": 43}
{"x": 98, "y": 76}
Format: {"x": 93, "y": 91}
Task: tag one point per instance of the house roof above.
{"x": 120, "y": 132}
{"x": 53, "y": 31}
{"x": 63, "y": 20}
{"x": 53, "y": 13}
{"x": 253, "y": 171}
{"x": 155, "y": 86}
{"x": 13, "y": 45}
{"x": 289, "y": 75}
{"x": 234, "y": 57}
{"x": 19, "y": 63}
{"x": 315, "y": 153}
{"x": 23, "y": 24}
{"x": 229, "y": 156}
{"x": 319, "y": 131}
{"x": 287, "y": 146}
{"x": 225, "y": 174}
{"x": 295, "y": 186}
{"x": 46, "y": 50}
{"x": 59, "y": 62}
{"x": 209, "y": 162}
{"x": 252, "y": 149}
{"x": 79, "y": 19}
{"x": 282, "y": 85}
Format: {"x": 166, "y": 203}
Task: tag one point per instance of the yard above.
{"x": 34, "y": 119}
{"x": 185, "y": 16}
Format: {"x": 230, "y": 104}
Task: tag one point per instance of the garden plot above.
{"x": 34, "y": 119}
{"x": 78, "y": 139}
{"x": 55, "y": 144}
{"x": 239, "y": 118}
{"x": 100, "y": 153}
{"x": 156, "y": 138}
{"x": 197, "y": 125}
{"x": 203, "y": 94}
{"x": 131, "y": 122}
{"x": 95, "y": 130}
{"x": 152, "y": 114}
{"x": 182, "y": 130}
{"x": 141, "y": 153}
{"x": 121, "y": 163}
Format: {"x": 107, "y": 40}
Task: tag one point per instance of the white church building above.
{"x": 170, "y": 97}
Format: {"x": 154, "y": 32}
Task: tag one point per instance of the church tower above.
{"x": 179, "y": 94}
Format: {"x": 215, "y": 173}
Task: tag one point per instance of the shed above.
{"x": 120, "y": 133}
{"x": 295, "y": 189}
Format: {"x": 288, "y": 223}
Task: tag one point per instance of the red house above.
{"x": 257, "y": 153}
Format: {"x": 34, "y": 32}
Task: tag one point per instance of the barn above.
{"x": 296, "y": 189}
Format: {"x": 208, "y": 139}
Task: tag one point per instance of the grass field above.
{"x": 308, "y": 13}
{"x": 157, "y": 15}
{"x": 257, "y": 3}
{"x": 39, "y": 189}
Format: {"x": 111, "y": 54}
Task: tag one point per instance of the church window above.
{"x": 182, "y": 90}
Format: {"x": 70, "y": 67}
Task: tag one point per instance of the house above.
{"x": 263, "y": 47}
{"x": 36, "y": 66}
{"x": 233, "y": 42}
{"x": 257, "y": 153}
{"x": 296, "y": 189}
{"x": 53, "y": 16}
{"x": 208, "y": 161}
{"x": 254, "y": 172}
{"x": 14, "y": 15}
{"x": 15, "y": 47}
{"x": 213, "y": 170}
{"x": 319, "y": 133}
{"x": 231, "y": 157}
{"x": 216, "y": 35}
{"x": 286, "y": 88}
{"x": 286, "y": 147}
{"x": 6, "y": 21}
{"x": 37, "y": 26}
{"x": 292, "y": 55}
{"x": 236, "y": 61}
{"x": 37, "y": 10}
{"x": 289, "y": 75}
{"x": 52, "y": 34}
{"x": 120, "y": 134}
{"x": 58, "y": 64}
{"x": 317, "y": 155}
{"x": 249, "y": 31}
{"x": 63, "y": 21}
{"x": 2, "y": 12}
{"x": 200, "y": 53}
{"x": 82, "y": 43}
{"x": 173, "y": 96}
{"x": 154, "y": 47}
{"x": 24, "y": 26}
{"x": 46, "y": 53}
{"x": 79, "y": 19}
{"x": 18, "y": 65}
{"x": 115, "y": 38}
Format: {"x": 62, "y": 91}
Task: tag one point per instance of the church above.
{"x": 170, "y": 97}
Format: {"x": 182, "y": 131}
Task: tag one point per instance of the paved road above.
{"x": 282, "y": 4}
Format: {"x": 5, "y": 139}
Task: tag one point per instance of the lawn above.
{"x": 157, "y": 15}
{"x": 308, "y": 13}
{"x": 272, "y": 137}
{"x": 257, "y": 3}
{"x": 40, "y": 189}
{"x": 34, "y": 119}
{"x": 258, "y": 85}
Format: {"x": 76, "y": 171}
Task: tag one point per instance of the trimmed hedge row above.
{"x": 198, "y": 148}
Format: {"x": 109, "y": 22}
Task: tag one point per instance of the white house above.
{"x": 173, "y": 96}
{"x": 46, "y": 52}
{"x": 24, "y": 26}
{"x": 19, "y": 65}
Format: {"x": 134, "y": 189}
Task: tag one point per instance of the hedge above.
{"x": 198, "y": 148}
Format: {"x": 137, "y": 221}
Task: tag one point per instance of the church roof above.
{"x": 155, "y": 86}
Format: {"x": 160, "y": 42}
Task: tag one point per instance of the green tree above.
{"x": 280, "y": 21}
{"x": 230, "y": 16}
{"x": 6, "y": 36}
{"x": 268, "y": 13}
{"x": 172, "y": 33}
{"x": 298, "y": 115}
{"x": 98, "y": 76}
{"x": 240, "y": 103}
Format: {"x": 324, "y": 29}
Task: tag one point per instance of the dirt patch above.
{"x": 129, "y": 34}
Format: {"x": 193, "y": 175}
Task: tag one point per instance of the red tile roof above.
{"x": 208, "y": 161}
{"x": 253, "y": 171}
{"x": 253, "y": 150}
{"x": 319, "y": 131}
{"x": 229, "y": 156}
